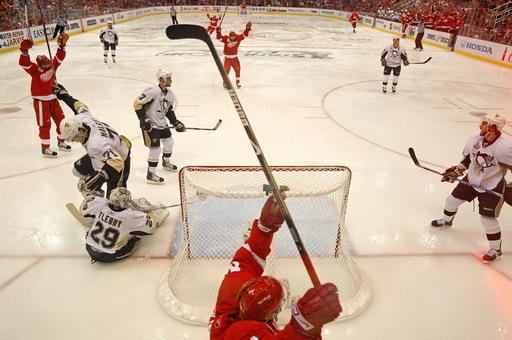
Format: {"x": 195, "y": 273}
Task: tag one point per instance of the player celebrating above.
{"x": 248, "y": 303}
{"x": 231, "y": 44}
{"x": 115, "y": 229}
{"x": 353, "y": 20}
{"x": 109, "y": 37}
{"x": 243, "y": 8}
{"x": 391, "y": 58}
{"x": 487, "y": 156}
{"x": 213, "y": 23}
{"x": 152, "y": 107}
{"x": 108, "y": 153}
{"x": 46, "y": 105}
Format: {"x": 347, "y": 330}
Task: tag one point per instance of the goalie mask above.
{"x": 120, "y": 197}
{"x": 69, "y": 128}
{"x": 261, "y": 298}
{"x": 494, "y": 119}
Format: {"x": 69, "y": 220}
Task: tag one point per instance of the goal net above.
{"x": 219, "y": 204}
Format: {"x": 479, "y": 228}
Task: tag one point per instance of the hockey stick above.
{"x": 197, "y": 128}
{"x": 75, "y": 212}
{"x": 222, "y": 19}
{"x": 199, "y": 32}
{"x": 422, "y": 62}
{"x": 46, "y": 37}
{"x": 417, "y": 163}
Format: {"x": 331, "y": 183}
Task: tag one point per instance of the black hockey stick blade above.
{"x": 187, "y": 31}
{"x": 423, "y": 62}
{"x": 417, "y": 163}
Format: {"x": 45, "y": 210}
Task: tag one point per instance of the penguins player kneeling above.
{"x": 115, "y": 227}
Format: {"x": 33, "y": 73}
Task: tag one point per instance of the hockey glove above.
{"x": 62, "y": 40}
{"x": 26, "y": 45}
{"x": 317, "y": 307}
{"x": 453, "y": 172}
{"x": 406, "y": 62}
{"x": 218, "y": 29}
{"x": 94, "y": 181}
{"x": 146, "y": 125}
{"x": 383, "y": 62}
{"x": 271, "y": 218}
{"x": 248, "y": 26}
{"x": 59, "y": 90}
{"x": 179, "y": 126}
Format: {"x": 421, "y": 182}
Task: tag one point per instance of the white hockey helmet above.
{"x": 494, "y": 119}
{"x": 109, "y": 21}
{"x": 69, "y": 128}
{"x": 163, "y": 74}
{"x": 120, "y": 197}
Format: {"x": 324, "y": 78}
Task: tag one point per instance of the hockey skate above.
{"x": 167, "y": 165}
{"x": 393, "y": 88}
{"x": 238, "y": 85}
{"x": 113, "y": 59}
{"x": 105, "y": 59}
{"x": 492, "y": 255}
{"x": 441, "y": 223}
{"x": 49, "y": 153}
{"x": 384, "y": 89}
{"x": 64, "y": 147}
{"x": 153, "y": 178}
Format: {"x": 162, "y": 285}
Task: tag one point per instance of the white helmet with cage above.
{"x": 163, "y": 74}
{"x": 495, "y": 119}
{"x": 121, "y": 197}
{"x": 69, "y": 128}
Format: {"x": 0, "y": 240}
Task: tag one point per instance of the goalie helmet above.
{"x": 121, "y": 197}
{"x": 494, "y": 119}
{"x": 69, "y": 128}
{"x": 163, "y": 74}
{"x": 261, "y": 298}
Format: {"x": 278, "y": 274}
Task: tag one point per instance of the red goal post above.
{"x": 219, "y": 203}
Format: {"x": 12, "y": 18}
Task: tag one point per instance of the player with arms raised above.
{"x": 248, "y": 303}
{"x": 353, "y": 20}
{"x": 231, "y": 44}
{"x": 214, "y": 20}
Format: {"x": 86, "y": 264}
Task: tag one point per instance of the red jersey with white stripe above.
{"x": 42, "y": 80}
{"x": 213, "y": 20}
{"x": 354, "y": 17}
{"x": 248, "y": 263}
{"x": 231, "y": 47}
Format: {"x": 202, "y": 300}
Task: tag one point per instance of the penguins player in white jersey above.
{"x": 391, "y": 58}
{"x": 108, "y": 153}
{"x": 487, "y": 157}
{"x": 153, "y": 106}
{"x": 109, "y": 37}
{"x": 115, "y": 228}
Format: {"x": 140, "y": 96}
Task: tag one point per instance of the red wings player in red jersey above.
{"x": 46, "y": 104}
{"x": 353, "y": 19}
{"x": 231, "y": 44}
{"x": 248, "y": 303}
{"x": 213, "y": 23}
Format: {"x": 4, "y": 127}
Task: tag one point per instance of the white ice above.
{"x": 312, "y": 91}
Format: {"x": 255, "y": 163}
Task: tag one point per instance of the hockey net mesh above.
{"x": 218, "y": 206}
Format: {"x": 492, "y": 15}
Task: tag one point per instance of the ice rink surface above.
{"x": 312, "y": 91}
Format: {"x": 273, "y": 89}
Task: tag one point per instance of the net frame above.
{"x": 317, "y": 200}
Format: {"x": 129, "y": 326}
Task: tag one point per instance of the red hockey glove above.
{"x": 453, "y": 172}
{"x": 26, "y": 45}
{"x": 271, "y": 218}
{"x": 317, "y": 307}
{"x": 62, "y": 40}
{"x": 248, "y": 26}
{"x": 218, "y": 29}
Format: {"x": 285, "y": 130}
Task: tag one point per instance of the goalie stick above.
{"x": 417, "y": 163}
{"x": 186, "y": 31}
{"x": 75, "y": 212}
{"x": 198, "y": 128}
{"x": 422, "y": 62}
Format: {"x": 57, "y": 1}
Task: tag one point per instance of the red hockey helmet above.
{"x": 41, "y": 59}
{"x": 232, "y": 33}
{"x": 260, "y": 298}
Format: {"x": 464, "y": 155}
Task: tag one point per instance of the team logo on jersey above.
{"x": 482, "y": 161}
{"x": 47, "y": 75}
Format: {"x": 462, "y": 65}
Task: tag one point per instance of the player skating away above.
{"x": 109, "y": 37}
{"x": 214, "y": 20}
{"x": 487, "y": 156}
{"x": 391, "y": 58}
{"x": 248, "y": 303}
{"x": 115, "y": 228}
{"x": 353, "y": 20}
{"x": 108, "y": 153}
{"x": 152, "y": 107}
{"x": 231, "y": 44}
{"x": 46, "y": 105}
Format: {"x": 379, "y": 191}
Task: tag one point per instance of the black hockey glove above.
{"x": 94, "y": 181}
{"x": 508, "y": 194}
{"x": 59, "y": 90}
{"x": 453, "y": 172}
{"x": 383, "y": 62}
{"x": 146, "y": 125}
{"x": 406, "y": 62}
{"x": 179, "y": 126}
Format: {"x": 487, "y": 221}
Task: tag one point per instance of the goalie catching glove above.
{"x": 317, "y": 307}
{"x": 453, "y": 172}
